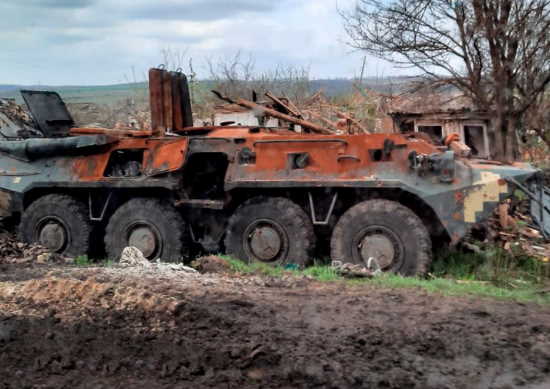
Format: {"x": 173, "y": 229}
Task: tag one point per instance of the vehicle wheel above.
{"x": 387, "y": 231}
{"x": 59, "y": 223}
{"x": 155, "y": 228}
{"x": 275, "y": 231}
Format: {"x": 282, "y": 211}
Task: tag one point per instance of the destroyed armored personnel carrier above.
{"x": 260, "y": 194}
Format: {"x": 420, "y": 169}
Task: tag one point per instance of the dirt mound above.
{"x": 211, "y": 264}
{"x": 94, "y": 330}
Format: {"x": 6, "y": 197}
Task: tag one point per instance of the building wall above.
{"x": 478, "y": 141}
{"x": 242, "y": 118}
{"x": 452, "y": 124}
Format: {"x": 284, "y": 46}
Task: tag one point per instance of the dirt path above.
{"x": 107, "y": 328}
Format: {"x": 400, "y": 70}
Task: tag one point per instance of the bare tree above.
{"x": 174, "y": 59}
{"x": 496, "y": 51}
{"x": 237, "y": 76}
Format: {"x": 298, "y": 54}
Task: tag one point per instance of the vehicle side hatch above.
{"x": 49, "y": 112}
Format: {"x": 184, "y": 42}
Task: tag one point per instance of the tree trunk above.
{"x": 510, "y": 141}
{"x": 497, "y": 148}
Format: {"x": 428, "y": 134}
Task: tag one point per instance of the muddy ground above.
{"x": 68, "y": 327}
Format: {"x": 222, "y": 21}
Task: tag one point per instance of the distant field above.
{"x": 112, "y": 93}
{"x": 83, "y": 94}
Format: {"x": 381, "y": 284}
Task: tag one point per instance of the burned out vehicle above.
{"x": 260, "y": 194}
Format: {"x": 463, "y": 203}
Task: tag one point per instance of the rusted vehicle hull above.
{"x": 267, "y": 194}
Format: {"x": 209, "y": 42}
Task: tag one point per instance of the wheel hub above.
{"x": 53, "y": 236}
{"x": 144, "y": 239}
{"x": 265, "y": 243}
{"x": 380, "y": 247}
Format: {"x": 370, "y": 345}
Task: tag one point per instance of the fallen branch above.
{"x": 271, "y": 112}
{"x": 290, "y": 109}
{"x": 351, "y": 120}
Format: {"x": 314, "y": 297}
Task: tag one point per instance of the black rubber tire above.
{"x": 72, "y": 213}
{"x": 164, "y": 218}
{"x": 401, "y": 221}
{"x": 295, "y": 223}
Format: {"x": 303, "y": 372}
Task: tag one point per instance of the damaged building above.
{"x": 440, "y": 115}
{"x": 436, "y": 114}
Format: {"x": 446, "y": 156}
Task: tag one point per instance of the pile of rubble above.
{"x": 15, "y": 112}
{"x": 513, "y": 229}
{"x": 317, "y": 114}
{"x": 13, "y": 251}
{"x": 15, "y": 121}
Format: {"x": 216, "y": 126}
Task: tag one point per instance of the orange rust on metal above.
{"x": 160, "y": 155}
{"x": 156, "y": 99}
{"x": 167, "y": 103}
{"x": 106, "y": 131}
{"x": 178, "y": 115}
{"x": 336, "y": 156}
{"x": 166, "y": 156}
{"x": 90, "y": 168}
{"x": 215, "y": 128}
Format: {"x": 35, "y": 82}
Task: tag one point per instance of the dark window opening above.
{"x": 435, "y": 132}
{"x": 473, "y": 137}
{"x": 204, "y": 175}
{"x": 125, "y": 163}
{"x": 406, "y": 127}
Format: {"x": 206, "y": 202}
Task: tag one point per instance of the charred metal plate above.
{"x": 49, "y": 112}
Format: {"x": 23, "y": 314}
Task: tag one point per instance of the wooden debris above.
{"x": 290, "y": 108}
{"x": 317, "y": 113}
{"x": 503, "y": 214}
{"x": 460, "y": 149}
{"x": 351, "y": 121}
{"x": 512, "y": 228}
{"x": 531, "y": 233}
{"x": 262, "y": 110}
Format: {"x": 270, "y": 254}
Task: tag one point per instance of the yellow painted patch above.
{"x": 489, "y": 190}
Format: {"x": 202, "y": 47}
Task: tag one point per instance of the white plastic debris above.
{"x": 132, "y": 256}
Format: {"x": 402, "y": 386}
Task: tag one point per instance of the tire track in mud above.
{"x": 96, "y": 329}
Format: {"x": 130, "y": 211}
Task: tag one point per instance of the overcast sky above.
{"x": 90, "y": 42}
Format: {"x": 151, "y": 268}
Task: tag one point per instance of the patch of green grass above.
{"x": 317, "y": 272}
{"x": 493, "y": 264}
{"x": 107, "y": 263}
{"x": 82, "y": 260}
{"x": 525, "y": 292}
{"x": 253, "y": 268}
{"x": 321, "y": 273}
{"x": 455, "y": 275}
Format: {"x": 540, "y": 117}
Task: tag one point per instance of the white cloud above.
{"x": 98, "y": 41}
